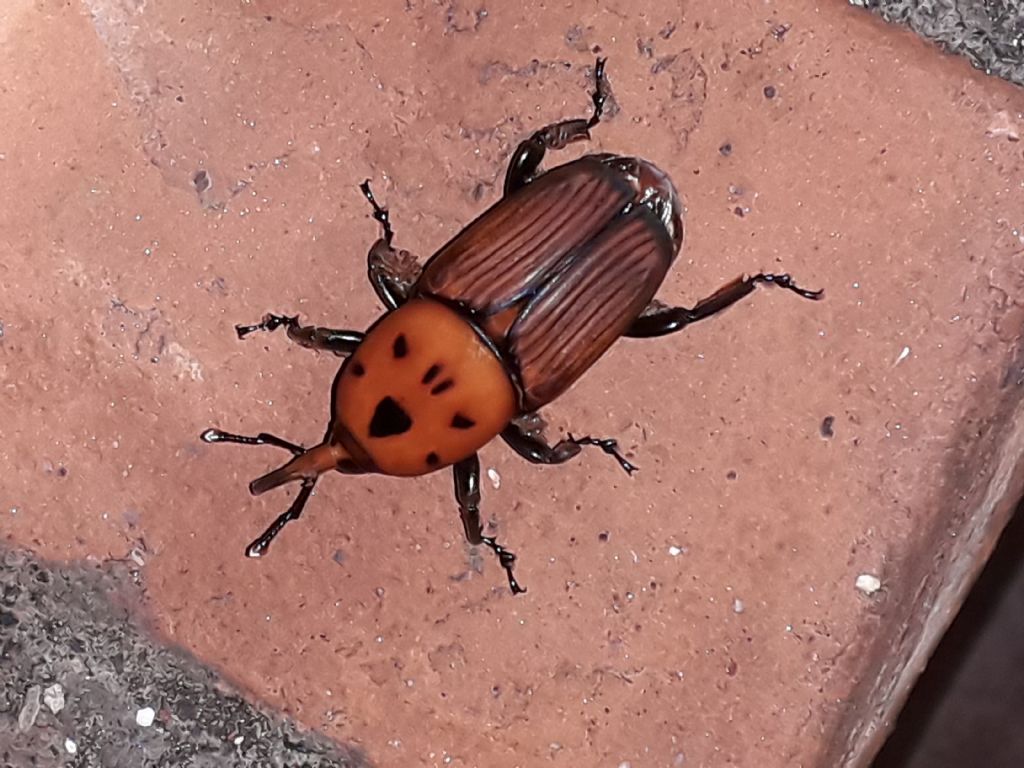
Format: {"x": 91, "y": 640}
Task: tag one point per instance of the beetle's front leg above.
{"x": 660, "y": 321}
{"x": 341, "y": 343}
{"x": 528, "y": 441}
{"x": 529, "y": 154}
{"x": 467, "y": 493}
{"x": 392, "y": 272}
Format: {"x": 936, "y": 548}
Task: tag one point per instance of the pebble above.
{"x": 145, "y": 717}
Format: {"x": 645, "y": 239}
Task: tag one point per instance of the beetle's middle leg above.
{"x": 341, "y": 343}
{"x": 530, "y": 444}
{"x": 660, "y": 321}
{"x": 392, "y": 272}
{"x": 467, "y": 493}
{"x": 529, "y": 154}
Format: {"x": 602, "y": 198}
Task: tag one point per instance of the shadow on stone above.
{"x": 967, "y": 706}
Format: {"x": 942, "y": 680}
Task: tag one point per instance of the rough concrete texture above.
{"x": 990, "y": 33}
{"x": 172, "y": 169}
{"x": 78, "y": 680}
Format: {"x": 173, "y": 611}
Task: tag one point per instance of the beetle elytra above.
{"x": 498, "y": 323}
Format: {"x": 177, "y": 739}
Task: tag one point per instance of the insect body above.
{"x": 498, "y": 323}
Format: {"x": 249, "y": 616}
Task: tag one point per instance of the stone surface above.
{"x": 75, "y": 628}
{"x": 170, "y": 170}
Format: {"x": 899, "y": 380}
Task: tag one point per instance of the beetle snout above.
{"x": 305, "y": 466}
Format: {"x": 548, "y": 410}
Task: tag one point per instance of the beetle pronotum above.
{"x": 498, "y": 323}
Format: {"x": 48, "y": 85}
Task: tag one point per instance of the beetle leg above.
{"x": 534, "y": 448}
{"x": 341, "y": 343}
{"x": 664, "y": 320}
{"x": 467, "y": 493}
{"x": 529, "y": 154}
{"x": 392, "y": 272}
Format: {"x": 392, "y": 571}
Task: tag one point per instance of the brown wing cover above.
{"x": 516, "y": 244}
{"x": 581, "y": 311}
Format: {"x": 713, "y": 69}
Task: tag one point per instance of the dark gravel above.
{"x": 77, "y": 628}
{"x": 988, "y": 32}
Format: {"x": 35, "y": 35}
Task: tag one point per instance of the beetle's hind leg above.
{"x": 525, "y": 437}
{"x": 467, "y": 493}
{"x": 529, "y": 154}
{"x": 341, "y": 343}
{"x": 661, "y": 320}
{"x": 392, "y": 272}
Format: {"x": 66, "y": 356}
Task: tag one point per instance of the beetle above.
{"x": 498, "y": 323}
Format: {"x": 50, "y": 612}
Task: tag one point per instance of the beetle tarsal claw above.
{"x": 610, "y": 446}
{"x": 270, "y": 322}
{"x": 380, "y": 214}
{"x": 507, "y": 560}
{"x": 784, "y": 280}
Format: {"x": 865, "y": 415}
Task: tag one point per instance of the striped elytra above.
{"x": 553, "y": 274}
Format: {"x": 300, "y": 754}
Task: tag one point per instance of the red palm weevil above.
{"x": 497, "y": 324}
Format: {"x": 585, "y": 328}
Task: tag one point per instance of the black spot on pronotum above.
{"x": 401, "y": 347}
{"x": 462, "y": 422}
{"x": 443, "y": 386}
{"x": 433, "y": 459}
{"x": 357, "y": 369}
{"x": 389, "y": 419}
{"x": 431, "y": 373}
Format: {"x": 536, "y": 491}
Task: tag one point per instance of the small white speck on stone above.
{"x": 70, "y": 747}
{"x": 675, "y": 551}
{"x": 868, "y": 584}
{"x": 53, "y": 698}
{"x": 239, "y": 740}
{"x": 903, "y": 355}
{"x": 737, "y": 606}
{"x": 625, "y": 764}
{"x": 145, "y": 717}
{"x": 495, "y": 478}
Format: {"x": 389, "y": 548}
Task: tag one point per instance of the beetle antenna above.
{"x": 259, "y": 546}
{"x": 220, "y": 436}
